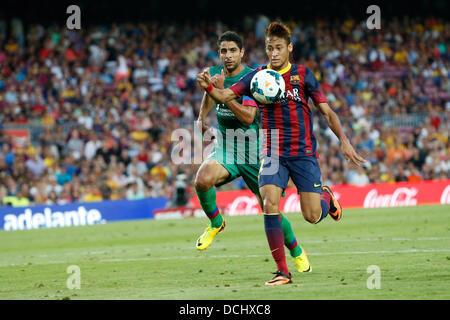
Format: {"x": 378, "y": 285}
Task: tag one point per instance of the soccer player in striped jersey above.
{"x": 289, "y": 142}
{"x": 229, "y": 161}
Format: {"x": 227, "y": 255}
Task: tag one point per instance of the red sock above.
{"x": 275, "y": 237}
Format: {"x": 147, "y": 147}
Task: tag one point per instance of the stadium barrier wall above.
{"x": 244, "y": 202}
{"x": 78, "y": 214}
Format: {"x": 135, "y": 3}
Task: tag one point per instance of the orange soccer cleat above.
{"x": 335, "y": 208}
{"x": 279, "y": 279}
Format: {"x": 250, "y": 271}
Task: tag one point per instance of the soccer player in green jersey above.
{"x": 231, "y": 159}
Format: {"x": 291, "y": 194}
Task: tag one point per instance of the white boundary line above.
{"x": 235, "y": 256}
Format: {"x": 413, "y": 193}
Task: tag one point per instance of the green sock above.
{"x": 209, "y": 205}
{"x": 289, "y": 238}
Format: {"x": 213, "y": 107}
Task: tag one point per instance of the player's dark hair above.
{"x": 280, "y": 30}
{"x": 230, "y": 36}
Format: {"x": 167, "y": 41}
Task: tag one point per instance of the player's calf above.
{"x": 310, "y": 206}
{"x": 312, "y": 215}
{"x": 316, "y": 206}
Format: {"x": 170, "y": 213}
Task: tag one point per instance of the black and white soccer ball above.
{"x": 267, "y": 86}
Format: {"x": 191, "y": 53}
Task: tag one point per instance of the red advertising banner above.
{"x": 244, "y": 202}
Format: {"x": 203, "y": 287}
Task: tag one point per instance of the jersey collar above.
{"x": 282, "y": 71}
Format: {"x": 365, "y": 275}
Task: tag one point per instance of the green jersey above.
{"x": 238, "y": 149}
{"x": 226, "y": 119}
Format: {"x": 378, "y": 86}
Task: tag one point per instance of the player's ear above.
{"x": 242, "y": 52}
{"x": 290, "y": 47}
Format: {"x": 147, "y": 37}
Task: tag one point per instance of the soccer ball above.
{"x": 267, "y": 86}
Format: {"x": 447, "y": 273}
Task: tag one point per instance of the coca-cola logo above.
{"x": 399, "y": 198}
{"x": 445, "y": 197}
{"x": 244, "y": 205}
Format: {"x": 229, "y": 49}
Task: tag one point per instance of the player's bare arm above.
{"x": 335, "y": 125}
{"x": 204, "y": 80}
{"x": 205, "y": 107}
{"x": 245, "y": 114}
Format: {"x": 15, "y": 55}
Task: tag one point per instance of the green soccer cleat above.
{"x": 205, "y": 240}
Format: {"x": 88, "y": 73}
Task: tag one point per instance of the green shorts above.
{"x": 249, "y": 172}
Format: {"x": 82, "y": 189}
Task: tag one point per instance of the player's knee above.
{"x": 270, "y": 205}
{"x": 312, "y": 214}
{"x": 203, "y": 183}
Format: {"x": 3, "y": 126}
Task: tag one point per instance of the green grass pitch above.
{"x": 151, "y": 259}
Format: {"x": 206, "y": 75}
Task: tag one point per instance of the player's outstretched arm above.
{"x": 335, "y": 125}
{"x": 221, "y": 95}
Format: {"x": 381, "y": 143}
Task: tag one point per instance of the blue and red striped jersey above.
{"x": 287, "y": 124}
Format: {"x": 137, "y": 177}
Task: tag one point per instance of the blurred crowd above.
{"x": 101, "y": 103}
